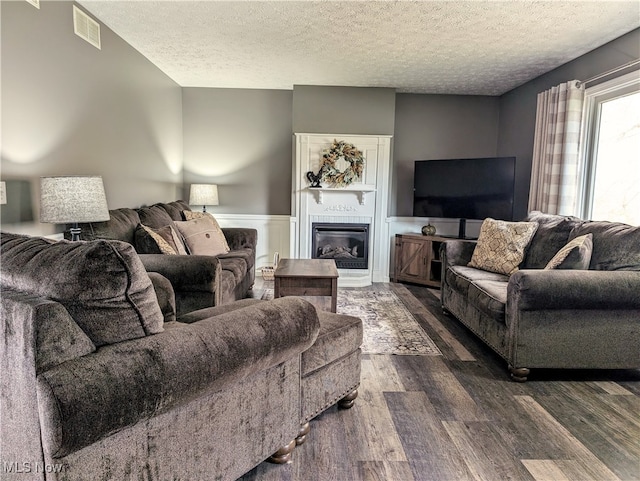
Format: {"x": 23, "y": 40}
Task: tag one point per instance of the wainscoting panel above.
{"x": 273, "y": 234}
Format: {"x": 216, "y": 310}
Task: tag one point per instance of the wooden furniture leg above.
{"x": 348, "y": 401}
{"x": 519, "y": 374}
{"x": 302, "y": 434}
{"x": 283, "y": 455}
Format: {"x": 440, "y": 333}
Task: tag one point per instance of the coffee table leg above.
{"x": 334, "y": 295}
{"x": 276, "y": 288}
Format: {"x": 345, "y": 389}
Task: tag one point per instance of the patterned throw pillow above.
{"x": 190, "y": 215}
{"x": 202, "y": 237}
{"x": 164, "y": 240}
{"x": 501, "y": 245}
{"x": 575, "y": 255}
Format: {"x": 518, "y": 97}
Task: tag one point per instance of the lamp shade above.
{"x": 3, "y": 192}
{"x": 72, "y": 199}
{"x": 203, "y": 194}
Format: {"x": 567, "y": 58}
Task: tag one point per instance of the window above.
{"x": 611, "y": 151}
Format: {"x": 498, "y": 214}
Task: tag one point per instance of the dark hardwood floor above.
{"x": 459, "y": 417}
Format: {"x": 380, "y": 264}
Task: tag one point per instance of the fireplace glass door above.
{"x": 347, "y": 244}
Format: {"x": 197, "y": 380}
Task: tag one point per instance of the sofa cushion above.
{"x": 190, "y": 215}
{"x": 164, "y": 240}
{"x": 175, "y": 209}
{"x": 501, "y": 245}
{"x": 575, "y": 255}
{"x": 202, "y": 237}
{"x": 154, "y": 216}
{"x": 236, "y": 265}
{"x": 246, "y": 254}
{"x": 121, "y": 226}
{"x": 339, "y": 336}
{"x": 102, "y": 284}
{"x": 552, "y": 234}
{"x": 489, "y": 297}
{"x": 461, "y": 277}
{"x": 616, "y": 246}
{"x": 227, "y": 284}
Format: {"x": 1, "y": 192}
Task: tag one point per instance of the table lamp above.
{"x": 73, "y": 199}
{"x": 204, "y": 195}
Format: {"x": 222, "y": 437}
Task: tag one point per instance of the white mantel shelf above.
{"x": 359, "y": 190}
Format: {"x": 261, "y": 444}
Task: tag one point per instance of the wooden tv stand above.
{"x": 417, "y": 259}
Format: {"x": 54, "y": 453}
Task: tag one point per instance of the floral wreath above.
{"x": 351, "y": 154}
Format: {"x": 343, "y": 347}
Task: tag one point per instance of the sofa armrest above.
{"x": 185, "y": 272}
{"x": 456, "y": 252}
{"x": 534, "y": 289}
{"x": 37, "y": 334}
{"x": 241, "y": 238}
{"x": 124, "y": 383}
{"x": 165, "y": 294}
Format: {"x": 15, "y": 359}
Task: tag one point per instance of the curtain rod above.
{"x": 612, "y": 71}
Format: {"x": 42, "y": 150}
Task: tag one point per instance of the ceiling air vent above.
{"x": 35, "y": 3}
{"x": 86, "y": 27}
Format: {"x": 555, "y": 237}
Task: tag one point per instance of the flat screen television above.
{"x": 464, "y": 189}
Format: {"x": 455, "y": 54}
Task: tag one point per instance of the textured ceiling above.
{"x": 446, "y": 47}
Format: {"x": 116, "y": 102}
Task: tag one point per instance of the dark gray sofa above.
{"x": 99, "y": 381}
{"x": 198, "y": 281}
{"x": 539, "y": 318}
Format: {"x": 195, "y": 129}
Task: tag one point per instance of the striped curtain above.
{"x": 554, "y": 173}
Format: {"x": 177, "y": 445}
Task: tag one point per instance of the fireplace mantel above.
{"x": 365, "y": 201}
{"x": 360, "y": 191}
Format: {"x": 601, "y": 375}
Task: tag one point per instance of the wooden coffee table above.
{"x": 307, "y": 277}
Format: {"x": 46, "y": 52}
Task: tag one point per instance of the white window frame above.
{"x": 593, "y": 99}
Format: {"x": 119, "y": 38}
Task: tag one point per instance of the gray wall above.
{"x": 518, "y": 107}
{"x": 438, "y": 127}
{"x": 241, "y": 140}
{"x": 69, "y": 108}
{"x": 343, "y": 110}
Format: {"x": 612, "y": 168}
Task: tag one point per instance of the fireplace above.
{"x": 347, "y": 244}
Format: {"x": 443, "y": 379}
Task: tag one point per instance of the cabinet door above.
{"x": 411, "y": 259}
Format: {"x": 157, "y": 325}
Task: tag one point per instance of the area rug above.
{"x": 389, "y": 328}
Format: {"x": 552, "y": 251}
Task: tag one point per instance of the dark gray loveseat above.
{"x": 198, "y": 281}
{"x": 539, "y": 318}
